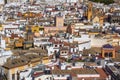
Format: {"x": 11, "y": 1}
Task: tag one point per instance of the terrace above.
{"x": 75, "y": 71}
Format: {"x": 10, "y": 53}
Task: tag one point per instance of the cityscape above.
{"x": 59, "y": 39}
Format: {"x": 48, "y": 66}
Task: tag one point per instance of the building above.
{"x": 13, "y": 66}
{"x": 97, "y": 42}
{"x": 98, "y": 19}
{"x": 17, "y": 63}
{"x": 79, "y": 28}
{"x": 9, "y": 1}
{"x": 113, "y": 71}
{"x": 2, "y": 42}
{"x": 90, "y": 11}
{"x": 79, "y": 74}
{"x": 108, "y": 51}
{"x": 4, "y": 55}
{"x": 59, "y": 21}
{"x": 115, "y": 18}
{"x": 71, "y": 1}
{"x": 52, "y": 30}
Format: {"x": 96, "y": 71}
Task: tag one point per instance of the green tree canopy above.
{"x": 104, "y": 1}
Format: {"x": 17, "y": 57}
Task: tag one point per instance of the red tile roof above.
{"x": 66, "y": 43}
{"x": 117, "y": 48}
{"x": 101, "y": 72}
{"x": 76, "y": 71}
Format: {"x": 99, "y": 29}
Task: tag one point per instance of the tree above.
{"x": 104, "y": 1}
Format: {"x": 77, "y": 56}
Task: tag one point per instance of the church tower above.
{"x": 89, "y": 11}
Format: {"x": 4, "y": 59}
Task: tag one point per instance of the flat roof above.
{"x": 75, "y": 71}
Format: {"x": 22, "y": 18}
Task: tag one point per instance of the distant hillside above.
{"x": 104, "y": 1}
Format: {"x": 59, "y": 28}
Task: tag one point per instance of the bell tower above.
{"x": 89, "y": 11}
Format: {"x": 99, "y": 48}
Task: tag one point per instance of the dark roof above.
{"x": 107, "y": 46}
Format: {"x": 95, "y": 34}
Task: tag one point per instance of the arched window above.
{"x": 106, "y": 54}
{"x": 110, "y": 54}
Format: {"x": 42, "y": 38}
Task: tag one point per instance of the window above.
{"x": 55, "y": 51}
{"x": 58, "y": 75}
{"x": 34, "y": 30}
{"x": 84, "y": 48}
{"x": 73, "y": 49}
{"x": 55, "y": 45}
{"x": 110, "y": 54}
{"x": 60, "y": 45}
{"x": 47, "y": 78}
{"x": 62, "y": 75}
{"x": 18, "y": 75}
{"x": 106, "y": 54}
{"x": 13, "y": 76}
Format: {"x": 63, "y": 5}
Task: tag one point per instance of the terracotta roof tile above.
{"x": 101, "y": 72}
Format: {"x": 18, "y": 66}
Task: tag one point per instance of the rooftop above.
{"x": 22, "y": 60}
{"x": 107, "y": 46}
{"x": 75, "y": 71}
{"x": 92, "y": 50}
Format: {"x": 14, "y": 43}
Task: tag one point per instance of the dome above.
{"x": 107, "y": 46}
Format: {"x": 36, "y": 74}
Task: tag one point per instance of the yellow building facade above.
{"x": 1, "y": 28}
{"x": 108, "y": 51}
{"x": 35, "y": 29}
{"x": 98, "y": 19}
{"x": 89, "y": 11}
